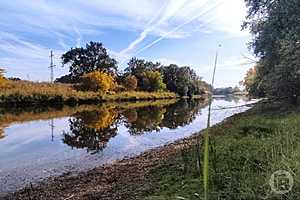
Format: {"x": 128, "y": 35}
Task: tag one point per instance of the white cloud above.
{"x": 230, "y": 16}
{"x": 129, "y": 15}
{"x": 20, "y": 57}
{"x": 70, "y": 21}
{"x": 211, "y": 15}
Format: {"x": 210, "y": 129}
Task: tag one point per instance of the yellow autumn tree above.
{"x": 98, "y": 81}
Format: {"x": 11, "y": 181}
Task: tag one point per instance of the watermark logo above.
{"x": 281, "y": 182}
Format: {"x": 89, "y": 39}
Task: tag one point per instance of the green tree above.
{"x": 152, "y": 81}
{"x": 85, "y": 60}
{"x": 137, "y": 67}
{"x": 170, "y": 76}
{"x": 276, "y": 41}
{"x": 183, "y": 80}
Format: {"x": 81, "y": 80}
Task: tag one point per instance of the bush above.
{"x": 152, "y": 81}
{"x": 98, "y": 81}
{"x": 130, "y": 82}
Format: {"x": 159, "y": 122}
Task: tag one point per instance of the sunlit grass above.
{"x": 34, "y": 93}
{"x": 244, "y": 152}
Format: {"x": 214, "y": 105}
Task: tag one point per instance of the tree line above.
{"x": 275, "y": 26}
{"x": 92, "y": 68}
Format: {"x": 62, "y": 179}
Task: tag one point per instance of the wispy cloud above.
{"x": 168, "y": 15}
{"x": 60, "y": 25}
{"x": 20, "y": 57}
{"x": 174, "y": 30}
{"x": 79, "y": 37}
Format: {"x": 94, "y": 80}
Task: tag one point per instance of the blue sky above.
{"x": 185, "y": 32}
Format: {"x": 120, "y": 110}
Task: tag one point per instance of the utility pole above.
{"x": 51, "y": 66}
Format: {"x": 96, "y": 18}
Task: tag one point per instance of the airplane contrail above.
{"x": 144, "y": 34}
{"x": 150, "y": 27}
{"x": 176, "y": 29}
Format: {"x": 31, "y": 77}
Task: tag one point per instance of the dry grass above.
{"x": 138, "y": 95}
{"x": 25, "y": 92}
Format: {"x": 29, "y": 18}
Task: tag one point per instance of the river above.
{"x": 36, "y": 143}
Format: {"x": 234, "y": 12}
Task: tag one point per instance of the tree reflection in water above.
{"x": 92, "y": 130}
{"x": 143, "y": 120}
{"x": 148, "y": 119}
{"x": 182, "y": 113}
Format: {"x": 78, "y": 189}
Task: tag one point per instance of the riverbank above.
{"x": 244, "y": 151}
{"x": 31, "y": 93}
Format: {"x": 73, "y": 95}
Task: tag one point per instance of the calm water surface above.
{"x": 35, "y": 144}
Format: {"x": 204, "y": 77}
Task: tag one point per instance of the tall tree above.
{"x": 152, "y": 81}
{"x": 93, "y": 57}
{"x": 137, "y": 67}
{"x": 182, "y": 80}
{"x": 275, "y": 26}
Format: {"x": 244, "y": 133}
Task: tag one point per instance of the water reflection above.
{"x": 230, "y": 98}
{"x": 182, "y": 113}
{"x": 92, "y": 130}
{"x": 37, "y": 142}
{"x": 141, "y": 120}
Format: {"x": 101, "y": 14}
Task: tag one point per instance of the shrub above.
{"x": 98, "y": 81}
{"x": 130, "y": 82}
{"x": 153, "y": 81}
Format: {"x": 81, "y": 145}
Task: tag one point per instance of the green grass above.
{"x": 244, "y": 151}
